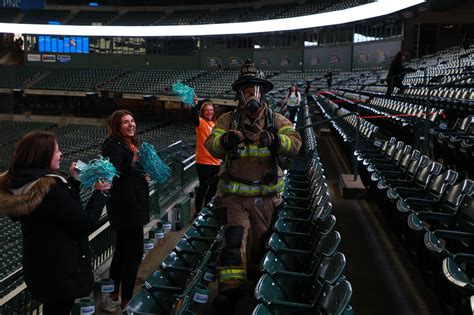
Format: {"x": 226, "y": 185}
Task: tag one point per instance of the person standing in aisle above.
{"x": 207, "y": 166}
{"x": 328, "y": 77}
{"x": 127, "y": 208}
{"x": 252, "y": 139}
{"x": 396, "y": 73}
{"x": 55, "y": 227}
{"x": 291, "y": 102}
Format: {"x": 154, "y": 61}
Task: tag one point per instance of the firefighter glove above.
{"x": 268, "y": 139}
{"x": 231, "y": 139}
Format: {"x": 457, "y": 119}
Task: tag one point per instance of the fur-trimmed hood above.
{"x": 19, "y": 197}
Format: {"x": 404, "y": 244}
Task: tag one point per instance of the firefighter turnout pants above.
{"x": 245, "y": 214}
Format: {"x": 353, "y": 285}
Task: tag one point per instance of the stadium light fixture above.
{"x": 362, "y": 12}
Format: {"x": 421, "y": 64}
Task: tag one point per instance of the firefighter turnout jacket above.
{"x": 249, "y": 170}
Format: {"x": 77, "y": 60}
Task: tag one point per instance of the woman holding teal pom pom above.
{"x": 128, "y": 206}
{"x": 56, "y": 254}
{"x": 207, "y": 166}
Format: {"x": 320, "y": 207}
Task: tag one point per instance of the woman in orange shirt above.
{"x": 207, "y": 166}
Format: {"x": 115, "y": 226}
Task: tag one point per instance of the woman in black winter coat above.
{"x": 127, "y": 208}
{"x": 56, "y": 254}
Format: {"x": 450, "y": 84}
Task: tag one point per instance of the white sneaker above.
{"x": 111, "y": 306}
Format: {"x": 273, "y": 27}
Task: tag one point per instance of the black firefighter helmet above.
{"x": 251, "y": 75}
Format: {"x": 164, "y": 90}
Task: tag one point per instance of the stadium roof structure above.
{"x": 362, "y": 12}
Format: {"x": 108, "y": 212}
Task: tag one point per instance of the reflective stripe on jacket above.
{"x": 249, "y": 163}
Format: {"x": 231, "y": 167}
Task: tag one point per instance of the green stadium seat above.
{"x": 297, "y": 235}
{"x": 285, "y": 296}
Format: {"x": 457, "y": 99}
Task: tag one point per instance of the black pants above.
{"x": 292, "y": 110}
{"x": 393, "y": 83}
{"x": 207, "y": 175}
{"x": 57, "y": 307}
{"x": 127, "y": 258}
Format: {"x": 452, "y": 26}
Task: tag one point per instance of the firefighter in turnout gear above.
{"x": 252, "y": 140}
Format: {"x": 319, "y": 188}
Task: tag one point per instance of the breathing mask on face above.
{"x": 250, "y": 98}
{"x": 251, "y": 87}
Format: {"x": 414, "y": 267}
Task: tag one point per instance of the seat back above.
{"x": 392, "y": 149}
{"x": 464, "y": 125}
{"x": 331, "y": 268}
{"x": 407, "y": 159}
{"x": 454, "y": 195}
{"x": 326, "y": 246}
{"x": 425, "y": 174}
{"x": 416, "y": 164}
{"x": 335, "y": 298}
{"x": 465, "y": 218}
{"x": 438, "y": 184}
{"x": 261, "y": 309}
{"x": 144, "y": 303}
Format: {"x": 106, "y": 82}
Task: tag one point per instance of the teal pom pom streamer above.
{"x": 184, "y": 92}
{"x": 152, "y": 164}
{"x": 96, "y": 169}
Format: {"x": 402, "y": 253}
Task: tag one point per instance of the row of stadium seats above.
{"x": 447, "y": 105}
{"x": 344, "y": 123}
{"x": 174, "y": 18}
{"x": 454, "y": 146}
{"x": 182, "y": 279}
{"x": 430, "y": 210}
{"x": 303, "y": 270}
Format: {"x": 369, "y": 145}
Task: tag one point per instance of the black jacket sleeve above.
{"x": 195, "y": 116}
{"x": 66, "y": 209}
{"x": 74, "y": 183}
{"x": 114, "y": 151}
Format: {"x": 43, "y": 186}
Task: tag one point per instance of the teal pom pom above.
{"x": 96, "y": 169}
{"x": 152, "y": 164}
{"x": 184, "y": 92}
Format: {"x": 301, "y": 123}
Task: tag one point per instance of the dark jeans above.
{"x": 292, "y": 111}
{"x": 57, "y": 307}
{"x": 127, "y": 258}
{"x": 208, "y": 179}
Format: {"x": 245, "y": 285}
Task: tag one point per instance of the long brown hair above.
{"x": 296, "y": 90}
{"x": 114, "y": 122}
{"x": 34, "y": 150}
{"x": 203, "y": 106}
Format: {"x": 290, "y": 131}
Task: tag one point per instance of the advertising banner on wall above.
{"x": 285, "y": 61}
{"x": 284, "y": 58}
{"x": 375, "y": 53}
{"x": 22, "y": 4}
{"x": 382, "y": 55}
{"x": 48, "y": 58}
{"x": 213, "y": 62}
{"x": 64, "y": 58}
{"x": 364, "y": 58}
{"x": 314, "y": 60}
{"x": 33, "y": 57}
{"x": 335, "y": 57}
{"x": 235, "y": 61}
{"x": 265, "y": 61}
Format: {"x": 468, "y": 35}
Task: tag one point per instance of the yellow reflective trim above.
{"x": 288, "y": 143}
{"x": 237, "y": 188}
{"x": 253, "y": 150}
{"x": 216, "y": 144}
{"x": 285, "y": 129}
{"x": 285, "y": 144}
{"x": 218, "y": 131}
{"x": 232, "y": 274}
